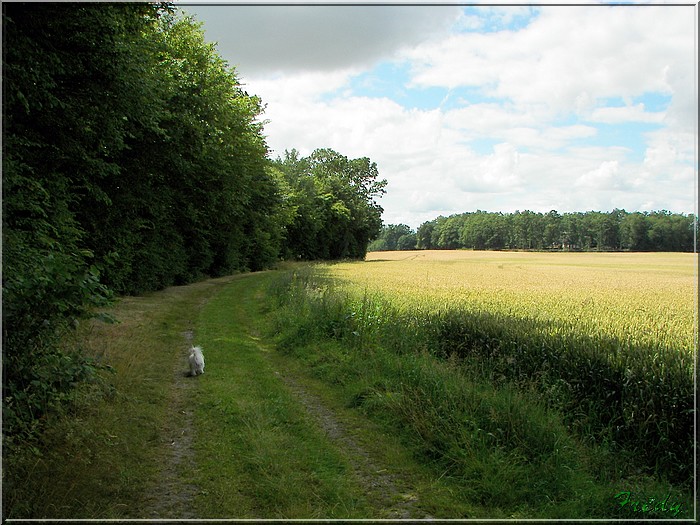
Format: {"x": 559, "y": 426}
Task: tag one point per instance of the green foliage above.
{"x": 394, "y": 237}
{"x": 614, "y": 231}
{"x": 59, "y": 128}
{"x": 194, "y": 196}
{"x": 132, "y": 160}
{"x": 333, "y": 203}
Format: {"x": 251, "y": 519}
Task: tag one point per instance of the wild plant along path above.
{"x": 250, "y": 438}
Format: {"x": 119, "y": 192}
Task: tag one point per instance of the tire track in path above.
{"x": 386, "y": 491}
{"x": 172, "y": 496}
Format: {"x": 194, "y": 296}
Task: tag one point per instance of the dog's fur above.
{"x": 196, "y": 361}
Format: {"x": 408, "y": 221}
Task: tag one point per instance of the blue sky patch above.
{"x": 484, "y": 146}
{"x": 654, "y": 101}
{"x": 629, "y": 135}
{"x": 492, "y": 19}
{"x": 392, "y": 80}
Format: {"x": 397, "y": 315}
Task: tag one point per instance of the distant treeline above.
{"x": 617, "y": 230}
{"x": 133, "y": 160}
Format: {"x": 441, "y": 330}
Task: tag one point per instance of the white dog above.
{"x": 196, "y": 361}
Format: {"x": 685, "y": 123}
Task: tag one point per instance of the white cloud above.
{"x": 262, "y": 39}
{"x": 496, "y": 173}
{"x": 537, "y": 91}
{"x": 301, "y": 88}
{"x": 487, "y": 118}
{"x": 519, "y": 127}
{"x": 604, "y": 177}
{"x": 567, "y": 56}
{"x": 623, "y": 114}
{"x": 548, "y": 138}
{"x": 671, "y": 157}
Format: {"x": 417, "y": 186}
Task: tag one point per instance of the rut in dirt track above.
{"x": 386, "y": 491}
{"x": 172, "y": 496}
{"x": 389, "y": 494}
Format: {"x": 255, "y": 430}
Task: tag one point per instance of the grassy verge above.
{"x": 261, "y": 454}
{"x": 456, "y": 446}
{"x": 502, "y": 446}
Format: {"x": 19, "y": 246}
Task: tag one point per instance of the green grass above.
{"x": 456, "y": 444}
{"x": 258, "y": 453}
{"x": 277, "y": 461}
{"x": 620, "y": 393}
{"x": 99, "y": 456}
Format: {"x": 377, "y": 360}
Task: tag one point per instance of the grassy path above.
{"x": 119, "y": 452}
{"x": 263, "y": 434}
{"x": 268, "y": 444}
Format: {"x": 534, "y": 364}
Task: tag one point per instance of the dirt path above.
{"x": 172, "y": 496}
{"x": 389, "y": 494}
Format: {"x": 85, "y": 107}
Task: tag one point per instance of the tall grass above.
{"x": 632, "y": 398}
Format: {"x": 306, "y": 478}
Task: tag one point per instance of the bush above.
{"x": 44, "y": 297}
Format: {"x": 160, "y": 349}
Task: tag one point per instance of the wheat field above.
{"x": 640, "y": 299}
{"x": 606, "y": 340}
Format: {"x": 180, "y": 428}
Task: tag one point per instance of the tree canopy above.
{"x": 334, "y": 205}
{"x": 614, "y": 231}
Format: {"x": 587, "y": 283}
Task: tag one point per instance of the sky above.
{"x": 493, "y": 108}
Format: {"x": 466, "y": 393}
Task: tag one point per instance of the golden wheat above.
{"x": 644, "y": 299}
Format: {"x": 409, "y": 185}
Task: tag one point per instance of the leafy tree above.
{"x": 569, "y": 232}
{"x": 378, "y": 245}
{"x": 616, "y": 230}
{"x": 389, "y": 237}
{"x": 406, "y": 242}
{"x": 671, "y": 232}
{"x": 449, "y": 230}
{"x": 334, "y": 203}
{"x": 483, "y": 230}
{"x": 424, "y": 236}
{"x": 67, "y": 90}
{"x": 202, "y": 200}
{"x": 132, "y": 160}
{"x": 528, "y": 229}
{"x": 552, "y": 229}
{"x": 587, "y": 229}
{"x": 634, "y": 230}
